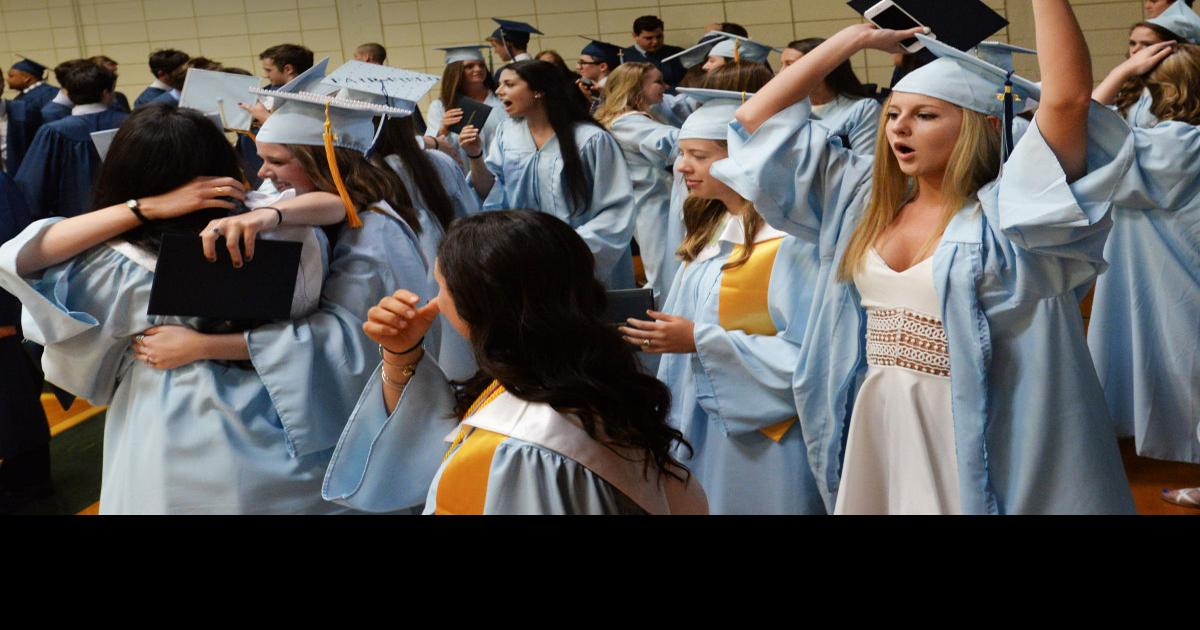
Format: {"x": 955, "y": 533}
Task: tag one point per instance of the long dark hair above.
{"x": 538, "y": 329}
{"x": 159, "y": 148}
{"x": 842, "y": 81}
{"x": 399, "y": 138}
{"x": 452, "y": 77}
{"x": 366, "y": 182}
{"x": 565, "y": 109}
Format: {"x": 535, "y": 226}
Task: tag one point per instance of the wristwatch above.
{"x": 133, "y": 206}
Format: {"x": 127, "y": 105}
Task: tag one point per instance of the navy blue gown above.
{"x": 148, "y": 95}
{"x": 23, "y": 425}
{"x": 57, "y": 173}
{"x": 23, "y": 124}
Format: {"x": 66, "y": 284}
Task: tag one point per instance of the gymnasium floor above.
{"x": 77, "y": 439}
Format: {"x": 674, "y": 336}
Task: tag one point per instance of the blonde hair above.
{"x": 1175, "y": 85}
{"x": 623, "y": 92}
{"x": 975, "y": 161}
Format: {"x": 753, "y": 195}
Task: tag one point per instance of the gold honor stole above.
{"x": 497, "y": 416}
{"x": 743, "y": 304}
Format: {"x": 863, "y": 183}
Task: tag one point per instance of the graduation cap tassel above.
{"x": 737, "y": 52}
{"x": 352, "y": 218}
{"x": 1008, "y": 116}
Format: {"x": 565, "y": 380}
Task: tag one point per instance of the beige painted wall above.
{"x": 234, "y": 31}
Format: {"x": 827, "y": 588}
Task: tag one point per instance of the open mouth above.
{"x": 903, "y": 150}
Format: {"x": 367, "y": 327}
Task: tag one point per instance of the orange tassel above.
{"x": 352, "y": 218}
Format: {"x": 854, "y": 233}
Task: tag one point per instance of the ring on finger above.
{"x": 216, "y": 230}
{"x": 139, "y": 339}
{"x": 646, "y": 344}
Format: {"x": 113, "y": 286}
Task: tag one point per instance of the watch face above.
{"x": 132, "y": 203}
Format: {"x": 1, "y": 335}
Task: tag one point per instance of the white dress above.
{"x": 900, "y": 454}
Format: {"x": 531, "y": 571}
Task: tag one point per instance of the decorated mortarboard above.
{"x": 696, "y": 55}
{"x": 309, "y": 114}
{"x": 741, "y": 48}
{"x": 220, "y": 93}
{"x": 513, "y": 31}
{"x": 462, "y": 53}
{"x": 603, "y": 51}
{"x": 961, "y": 23}
{"x": 382, "y": 85}
{"x": 1181, "y": 20}
{"x": 30, "y": 66}
{"x": 710, "y": 121}
{"x": 971, "y": 83}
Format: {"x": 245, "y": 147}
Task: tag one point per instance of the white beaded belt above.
{"x": 898, "y": 337}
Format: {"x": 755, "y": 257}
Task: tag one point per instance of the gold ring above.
{"x": 139, "y": 338}
{"x": 646, "y": 344}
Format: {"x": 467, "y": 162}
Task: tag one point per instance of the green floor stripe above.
{"x": 75, "y": 460}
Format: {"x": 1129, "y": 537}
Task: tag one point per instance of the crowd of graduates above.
{"x": 850, "y": 298}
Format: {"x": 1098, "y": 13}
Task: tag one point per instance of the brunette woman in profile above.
{"x": 558, "y": 420}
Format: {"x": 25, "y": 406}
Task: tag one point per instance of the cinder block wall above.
{"x": 235, "y": 31}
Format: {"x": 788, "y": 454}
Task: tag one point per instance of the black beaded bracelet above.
{"x": 382, "y": 350}
{"x": 475, "y": 157}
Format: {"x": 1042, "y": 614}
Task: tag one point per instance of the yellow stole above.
{"x": 743, "y": 304}
{"x": 462, "y": 488}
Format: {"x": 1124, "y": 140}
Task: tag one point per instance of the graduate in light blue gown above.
{"x": 1143, "y": 331}
{"x": 841, "y": 101}
{"x": 199, "y": 438}
{"x": 552, "y": 157}
{"x": 315, "y": 367}
{"x": 650, "y": 148}
{"x": 56, "y": 173}
{"x": 730, "y": 335}
{"x": 466, "y": 76}
{"x": 1030, "y": 430}
{"x": 544, "y": 429}
{"x": 433, "y": 183}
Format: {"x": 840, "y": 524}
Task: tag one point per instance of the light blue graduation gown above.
{"x": 392, "y": 462}
{"x": 650, "y": 149}
{"x": 450, "y": 348}
{"x": 1145, "y": 326}
{"x": 737, "y": 384}
{"x": 204, "y": 438}
{"x": 487, "y": 131}
{"x": 1139, "y": 115}
{"x": 855, "y": 118}
{"x": 1032, "y": 432}
{"x": 532, "y": 178}
{"x": 315, "y": 367}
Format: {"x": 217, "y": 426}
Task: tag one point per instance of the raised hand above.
{"x": 397, "y": 323}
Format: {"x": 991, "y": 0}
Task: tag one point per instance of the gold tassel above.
{"x": 352, "y": 218}
{"x": 737, "y": 51}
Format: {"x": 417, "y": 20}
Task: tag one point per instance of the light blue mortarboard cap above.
{"x": 382, "y": 85}
{"x": 741, "y": 48}
{"x": 971, "y": 83}
{"x": 694, "y": 56}
{"x": 300, "y": 116}
{"x": 711, "y": 120}
{"x": 462, "y": 53}
{"x": 1000, "y": 54}
{"x": 311, "y": 116}
{"x": 1181, "y": 20}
